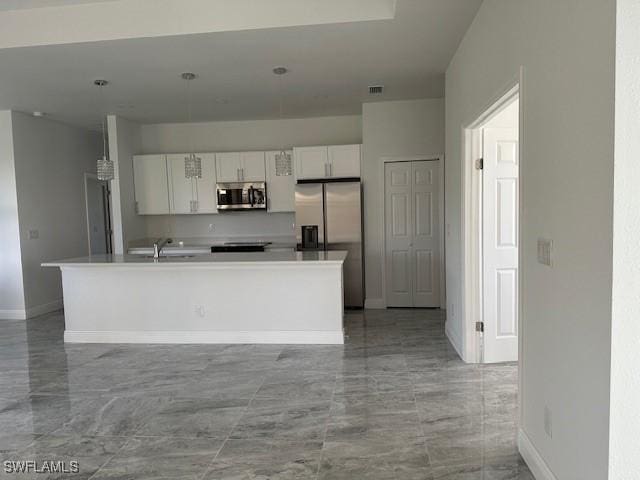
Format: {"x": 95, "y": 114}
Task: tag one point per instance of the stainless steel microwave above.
{"x": 242, "y": 196}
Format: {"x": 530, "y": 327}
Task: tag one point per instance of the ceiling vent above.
{"x": 376, "y": 89}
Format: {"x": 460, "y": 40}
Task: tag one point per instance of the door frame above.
{"x": 381, "y": 174}
{"x": 107, "y": 211}
{"x": 472, "y": 272}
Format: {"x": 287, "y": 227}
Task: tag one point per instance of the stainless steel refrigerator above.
{"x": 329, "y": 217}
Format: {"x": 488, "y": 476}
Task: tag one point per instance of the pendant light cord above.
{"x": 102, "y": 124}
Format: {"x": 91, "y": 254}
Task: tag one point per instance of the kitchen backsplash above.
{"x": 235, "y": 224}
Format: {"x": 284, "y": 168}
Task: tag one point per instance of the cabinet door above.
{"x": 281, "y": 189}
{"x": 182, "y": 190}
{"x": 344, "y": 161}
{"x": 206, "y": 186}
{"x": 228, "y": 167}
{"x": 311, "y": 162}
{"x": 151, "y": 184}
{"x": 252, "y": 167}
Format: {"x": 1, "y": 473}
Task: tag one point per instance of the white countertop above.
{"x": 226, "y": 259}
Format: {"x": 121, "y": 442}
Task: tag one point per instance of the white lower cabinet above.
{"x": 281, "y": 189}
{"x": 151, "y": 184}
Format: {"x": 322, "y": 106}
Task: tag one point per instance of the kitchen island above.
{"x": 267, "y": 297}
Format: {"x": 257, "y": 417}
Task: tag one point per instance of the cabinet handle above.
{"x": 242, "y": 172}
{"x": 331, "y": 169}
{"x": 326, "y": 170}
{"x": 238, "y": 174}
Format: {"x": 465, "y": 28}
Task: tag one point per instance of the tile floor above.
{"x": 394, "y": 403}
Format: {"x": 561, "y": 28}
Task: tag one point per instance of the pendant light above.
{"x": 283, "y": 159}
{"x": 192, "y": 164}
{"x": 105, "y": 167}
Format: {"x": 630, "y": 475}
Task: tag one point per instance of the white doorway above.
{"x": 97, "y": 198}
{"x": 413, "y": 245}
{"x": 493, "y": 151}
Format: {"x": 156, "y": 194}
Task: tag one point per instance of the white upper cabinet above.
{"x": 252, "y": 167}
{"x": 311, "y": 162}
{"x": 228, "y": 167}
{"x": 161, "y": 187}
{"x": 206, "y": 186}
{"x": 344, "y": 161}
{"x": 281, "y": 189}
{"x": 240, "y": 167}
{"x": 150, "y": 184}
{"x": 182, "y": 190}
{"x": 334, "y": 161}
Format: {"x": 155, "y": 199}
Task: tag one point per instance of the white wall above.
{"x": 401, "y": 128}
{"x": 567, "y": 50}
{"x": 235, "y": 224}
{"x": 11, "y": 289}
{"x": 250, "y": 135}
{"x": 624, "y": 458}
{"x": 124, "y": 142}
{"x": 50, "y": 162}
{"x": 240, "y": 136}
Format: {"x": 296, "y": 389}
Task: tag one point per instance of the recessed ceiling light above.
{"x": 280, "y": 70}
{"x": 38, "y": 114}
{"x": 188, "y": 76}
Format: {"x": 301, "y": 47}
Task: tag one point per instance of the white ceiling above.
{"x": 330, "y": 69}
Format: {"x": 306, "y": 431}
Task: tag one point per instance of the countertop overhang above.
{"x": 336, "y": 257}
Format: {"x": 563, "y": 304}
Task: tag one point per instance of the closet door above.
{"x": 398, "y": 235}
{"x": 426, "y": 234}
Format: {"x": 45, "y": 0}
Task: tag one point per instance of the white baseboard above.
{"x": 44, "y": 308}
{"x": 203, "y": 337}
{"x": 533, "y": 459}
{"x": 375, "y": 303}
{"x": 454, "y": 339}
{"x": 13, "y": 315}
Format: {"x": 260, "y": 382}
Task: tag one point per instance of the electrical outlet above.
{"x": 34, "y": 234}
{"x": 548, "y": 421}
{"x": 452, "y": 312}
{"x": 199, "y": 309}
{"x": 211, "y": 227}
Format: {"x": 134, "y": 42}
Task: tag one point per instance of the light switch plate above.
{"x": 33, "y": 234}
{"x": 545, "y": 251}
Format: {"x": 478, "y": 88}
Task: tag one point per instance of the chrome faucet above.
{"x": 158, "y": 245}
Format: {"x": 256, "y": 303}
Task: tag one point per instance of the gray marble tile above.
{"x": 144, "y": 458}
{"x": 266, "y": 459}
{"x": 375, "y": 458}
{"x": 192, "y": 418}
{"x": 305, "y": 422}
{"x": 394, "y": 402}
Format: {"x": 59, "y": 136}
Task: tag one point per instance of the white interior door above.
{"x": 399, "y": 234}
{"x": 500, "y": 244}
{"x": 412, "y": 234}
{"x": 426, "y": 234}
